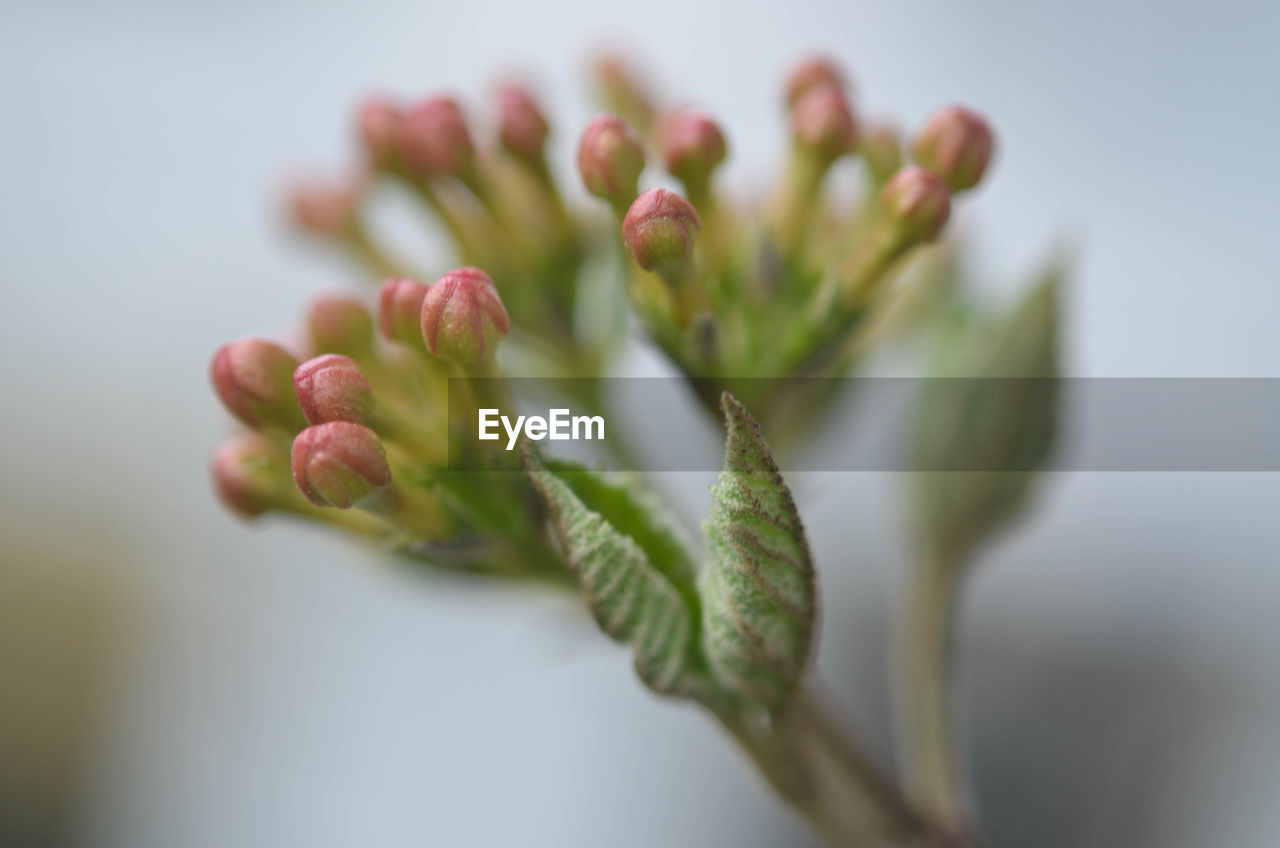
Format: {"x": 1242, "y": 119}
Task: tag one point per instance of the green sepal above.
{"x": 759, "y": 592}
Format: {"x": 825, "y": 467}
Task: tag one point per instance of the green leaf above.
{"x": 983, "y": 436}
{"x": 631, "y": 597}
{"x": 759, "y": 594}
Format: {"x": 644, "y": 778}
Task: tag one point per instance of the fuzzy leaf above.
{"x": 983, "y": 436}
{"x": 631, "y": 598}
{"x": 759, "y": 594}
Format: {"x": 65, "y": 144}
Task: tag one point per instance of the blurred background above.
{"x": 170, "y": 676}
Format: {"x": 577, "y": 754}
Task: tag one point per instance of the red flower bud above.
{"x": 339, "y": 324}
{"x": 254, "y": 380}
{"x": 434, "y": 137}
{"x": 462, "y": 316}
{"x": 522, "y": 127}
{"x": 610, "y": 159}
{"x": 810, "y": 73}
{"x": 325, "y": 207}
{"x": 918, "y": 203}
{"x": 333, "y": 388}
{"x": 400, "y": 311}
{"x": 660, "y": 229}
{"x": 881, "y": 148}
{"x": 955, "y": 144}
{"x": 378, "y": 121}
{"x": 823, "y": 122}
{"x": 339, "y": 464}
{"x": 692, "y": 147}
{"x": 243, "y": 476}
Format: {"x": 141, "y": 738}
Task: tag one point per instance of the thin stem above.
{"x": 925, "y": 726}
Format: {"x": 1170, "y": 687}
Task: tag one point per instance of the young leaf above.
{"x": 631, "y": 599}
{"x": 759, "y": 594}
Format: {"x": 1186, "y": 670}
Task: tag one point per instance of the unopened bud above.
{"x": 823, "y": 123}
{"x": 378, "y": 122}
{"x": 400, "y": 311}
{"x": 955, "y": 144}
{"x": 522, "y": 127}
{"x": 917, "y": 204}
{"x": 340, "y": 464}
{"x": 810, "y": 73}
{"x": 622, "y": 91}
{"x": 660, "y": 229}
{"x": 325, "y": 207}
{"x": 244, "y": 475}
{"x": 434, "y": 138}
{"x": 254, "y": 380}
{"x": 692, "y": 147}
{"x": 333, "y": 388}
{"x": 610, "y": 159}
{"x": 881, "y": 148}
{"x": 339, "y": 325}
{"x": 463, "y": 318}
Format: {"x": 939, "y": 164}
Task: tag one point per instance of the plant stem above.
{"x": 925, "y": 728}
{"x": 817, "y": 769}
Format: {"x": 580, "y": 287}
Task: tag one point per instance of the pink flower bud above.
{"x": 400, "y": 311}
{"x": 692, "y": 147}
{"x": 918, "y": 203}
{"x": 610, "y": 159}
{"x": 333, "y": 388}
{"x": 339, "y": 464}
{"x": 434, "y": 137}
{"x": 823, "y": 122}
{"x": 242, "y": 471}
{"x": 660, "y": 229}
{"x": 522, "y": 127}
{"x": 339, "y": 324}
{"x": 955, "y": 144}
{"x": 325, "y": 207}
{"x": 254, "y": 380}
{"x": 809, "y": 73}
{"x": 462, "y": 316}
{"x": 378, "y": 121}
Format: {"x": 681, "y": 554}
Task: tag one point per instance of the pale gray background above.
{"x": 169, "y": 677}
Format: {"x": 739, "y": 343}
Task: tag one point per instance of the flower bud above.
{"x": 325, "y": 207}
{"x": 881, "y": 148}
{"x": 917, "y": 203}
{"x": 243, "y": 475}
{"x": 333, "y": 388}
{"x": 823, "y": 123}
{"x": 955, "y": 144}
{"x": 522, "y": 127}
{"x": 660, "y": 229}
{"x": 378, "y": 122}
{"x": 692, "y": 147}
{"x": 400, "y": 311}
{"x": 339, "y": 325}
{"x": 339, "y": 464}
{"x": 254, "y": 380}
{"x": 462, "y": 316}
{"x": 622, "y": 91}
{"x": 810, "y": 73}
{"x": 610, "y": 159}
{"x": 434, "y": 138}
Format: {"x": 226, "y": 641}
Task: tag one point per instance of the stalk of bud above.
{"x": 400, "y": 312}
{"x": 810, "y": 73}
{"x": 340, "y": 464}
{"x": 378, "y": 122}
{"x": 333, "y": 388}
{"x": 522, "y": 127}
{"x": 610, "y": 159}
{"x": 692, "y": 147}
{"x": 463, "y": 318}
{"x": 433, "y": 138}
{"x": 339, "y": 324}
{"x": 254, "y": 380}
{"x": 956, "y": 144}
